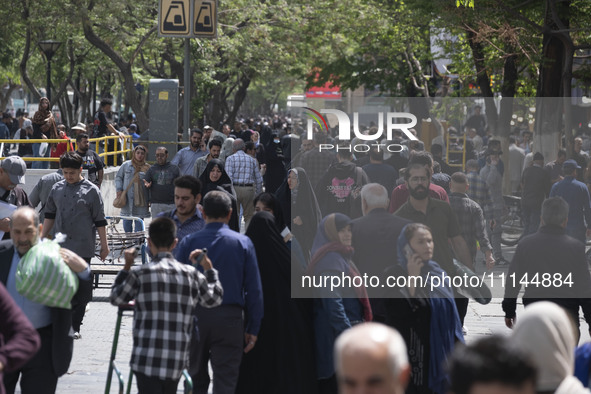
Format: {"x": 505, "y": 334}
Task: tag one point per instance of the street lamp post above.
{"x": 49, "y": 48}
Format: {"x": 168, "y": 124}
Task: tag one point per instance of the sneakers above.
{"x": 77, "y": 335}
{"x": 501, "y": 262}
{"x": 464, "y": 330}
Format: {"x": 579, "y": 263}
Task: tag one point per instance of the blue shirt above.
{"x": 38, "y": 314}
{"x": 576, "y": 194}
{"x": 185, "y": 159}
{"x": 234, "y": 257}
{"x": 189, "y": 226}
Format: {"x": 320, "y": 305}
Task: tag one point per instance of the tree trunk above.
{"x": 551, "y": 84}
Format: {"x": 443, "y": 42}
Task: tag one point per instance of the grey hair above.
{"x": 554, "y": 211}
{"x": 375, "y": 195}
{"x": 26, "y": 211}
{"x": 238, "y": 144}
{"x": 370, "y": 335}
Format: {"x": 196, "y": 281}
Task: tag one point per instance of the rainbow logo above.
{"x": 318, "y": 118}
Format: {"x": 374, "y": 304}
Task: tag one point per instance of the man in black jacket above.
{"x": 552, "y": 267}
{"x": 54, "y": 325}
{"x": 535, "y": 184}
{"x": 375, "y": 237}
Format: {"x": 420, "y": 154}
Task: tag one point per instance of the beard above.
{"x": 419, "y": 193}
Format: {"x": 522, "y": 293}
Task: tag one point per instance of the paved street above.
{"x": 88, "y": 370}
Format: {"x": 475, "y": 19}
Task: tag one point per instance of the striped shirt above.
{"x": 166, "y": 293}
{"x": 244, "y": 170}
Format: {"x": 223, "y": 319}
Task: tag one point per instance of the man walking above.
{"x": 186, "y": 157}
{"x": 536, "y": 186}
{"x": 493, "y": 176}
{"x": 54, "y": 325}
{"x": 159, "y": 179}
{"x": 244, "y": 172}
{"x": 186, "y": 216}
{"x": 91, "y": 161}
{"x": 438, "y": 215}
{"x": 470, "y": 218}
{"x": 554, "y": 259}
{"x": 215, "y": 148}
{"x": 576, "y": 195}
{"x": 75, "y": 206}
{"x": 222, "y": 332}
{"x": 166, "y": 294}
{"x": 374, "y": 236}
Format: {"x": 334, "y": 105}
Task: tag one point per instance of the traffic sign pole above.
{"x": 187, "y": 89}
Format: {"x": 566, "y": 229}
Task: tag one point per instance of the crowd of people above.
{"x": 214, "y": 295}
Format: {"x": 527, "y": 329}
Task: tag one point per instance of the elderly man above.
{"x": 12, "y": 174}
{"x": 54, "y": 325}
{"x": 371, "y": 359}
{"x": 244, "y": 172}
{"x": 374, "y": 240}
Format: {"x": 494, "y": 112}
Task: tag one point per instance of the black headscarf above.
{"x": 283, "y": 359}
{"x": 207, "y": 184}
{"x": 301, "y": 202}
{"x": 222, "y": 184}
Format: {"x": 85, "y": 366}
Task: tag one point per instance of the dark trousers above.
{"x": 79, "y": 307}
{"x": 37, "y": 376}
{"x": 531, "y": 218}
{"x": 221, "y": 340}
{"x": 461, "y": 305}
{"x": 151, "y": 385}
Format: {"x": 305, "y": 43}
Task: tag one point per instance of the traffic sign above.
{"x": 174, "y": 18}
{"x": 205, "y": 19}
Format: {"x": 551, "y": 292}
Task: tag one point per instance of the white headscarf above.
{"x": 546, "y": 333}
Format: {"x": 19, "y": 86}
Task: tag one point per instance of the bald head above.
{"x": 371, "y": 357}
{"x": 24, "y": 229}
{"x": 238, "y": 144}
{"x": 27, "y": 214}
{"x": 374, "y": 195}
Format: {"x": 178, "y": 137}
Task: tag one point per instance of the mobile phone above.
{"x": 201, "y": 256}
{"x": 408, "y": 252}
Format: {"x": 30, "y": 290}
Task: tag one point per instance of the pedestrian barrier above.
{"x": 125, "y": 143}
{"x": 118, "y": 242}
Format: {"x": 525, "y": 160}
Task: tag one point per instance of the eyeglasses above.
{"x": 418, "y": 179}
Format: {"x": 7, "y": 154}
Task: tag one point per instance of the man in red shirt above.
{"x": 400, "y": 194}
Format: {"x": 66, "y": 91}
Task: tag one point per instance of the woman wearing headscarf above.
{"x": 545, "y": 331}
{"x": 283, "y": 359}
{"x": 275, "y": 161}
{"x": 423, "y": 311}
{"x": 339, "y": 308}
{"x": 214, "y": 177}
{"x": 134, "y": 171}
{"x": 44, "y": 127}
{"x": 299, "y": 207}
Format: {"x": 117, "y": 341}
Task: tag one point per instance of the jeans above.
{"x": 127, "y": 226}
{"x": 40, "y": 164}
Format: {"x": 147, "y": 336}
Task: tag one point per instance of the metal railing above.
{"x": 126, "y": 146}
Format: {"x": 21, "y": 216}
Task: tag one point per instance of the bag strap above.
{"x": 137, "y": 174}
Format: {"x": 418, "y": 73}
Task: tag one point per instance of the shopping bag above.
{"x": 42, "y": 276}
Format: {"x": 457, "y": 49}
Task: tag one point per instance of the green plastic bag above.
{"x": 42, "y": 276}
